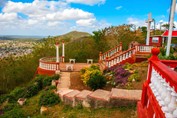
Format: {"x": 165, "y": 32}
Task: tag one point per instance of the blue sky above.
{"x": 42, "y": 17}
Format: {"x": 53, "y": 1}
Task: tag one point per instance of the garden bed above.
{"x": 76, "y": 82}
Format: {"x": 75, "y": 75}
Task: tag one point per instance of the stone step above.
{"x": 62, "y": 91}
{"x": 64, "y": 81}
{"x": 69, "y": 98}
{"x": 81, "y": 98}
{"x": 122, "y": 97}
{"x": 99, "y": 98}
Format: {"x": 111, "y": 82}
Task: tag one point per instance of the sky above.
{"x": 56, "y": 17}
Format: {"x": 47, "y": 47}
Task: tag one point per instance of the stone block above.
{"x": 99, "y": 98}
{"x": 62, "y": 92}
{"x": 122, "y": 97}
{"x": 43, "y": 110}
{"x": 81, "y": 98}
{"x": 69, "y": 98}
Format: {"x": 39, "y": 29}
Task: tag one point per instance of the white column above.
{"x": 172, "y": 12}
{"x": 63, "y": 51}
{"x": 57, "y": 52}
{"x": 148, "y": 28}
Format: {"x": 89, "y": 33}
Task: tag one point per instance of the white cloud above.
{"x": 118, "y": 8}
{"x": 87, "y": 2}
{"x": 42, "y": 17}
{"x": 135, "y": 21}
{"x": 85, "y": 22}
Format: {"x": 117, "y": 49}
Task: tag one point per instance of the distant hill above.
{"x": 19, "y": 37}
{"x": 74, "y": 35}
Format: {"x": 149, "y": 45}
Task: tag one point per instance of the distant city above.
{"x": 15, "y": 48}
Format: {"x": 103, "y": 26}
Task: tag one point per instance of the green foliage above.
{"x": 14, "y": 113}
{"x": 48, "y": 79}
{"x": 3, "y": 98}
{"x": 32, "y": 90}
{"x": 18, "y": 92}
{"x": 162, "y": 54}
{"x": 134, "y": 77}
{"x": 48, "y": 99}
{"x": 128, "y": 66}
{"x": 96, "y": 82}
{"x": 93, "y": 77}
{"x": 9, "y": 107}
{"x": 87, "y": 73}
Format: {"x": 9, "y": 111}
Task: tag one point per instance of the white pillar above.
{"x": 63, "y": 51}
{"x": 57, "y": 52}
{"x": 171, "y": 27}
{"x": 148, "y": 28}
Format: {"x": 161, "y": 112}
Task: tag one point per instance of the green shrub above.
{"x": 48, "y": 98}
{"x": 3, "y": 98}
{"x": 14, "y": 113}
{"x": 18, "y": 92}
{"x": 55, "y": 77}
{"x": 96, "y": 82}
{"x": 134, "y": 77}
{"x": 32, "y": 90}
{"x": 39, "y": 81}
{"x": 9, "y": 106}
{"x": 48, "y": 79}
{"x": 87, "y": 73}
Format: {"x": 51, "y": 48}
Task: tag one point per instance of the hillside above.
{"x": 73, "y": 36}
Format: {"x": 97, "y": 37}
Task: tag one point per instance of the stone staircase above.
{"x": 64, "y": 81}
{"x": 99, "y": 98}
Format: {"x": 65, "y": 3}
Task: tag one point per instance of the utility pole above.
{"x": 148, "y": 28}
{"x": 172, "y": 12}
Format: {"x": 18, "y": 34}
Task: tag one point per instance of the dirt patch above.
{"x": 76, "y": 82}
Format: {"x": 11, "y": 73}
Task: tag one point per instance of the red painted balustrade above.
{"x": 159, "y": 95}
{"x": 126, "y": 56}
{"x": 142, "y": 48}
{"x": 48, "y": 66}
{"x": 117, "y": 49}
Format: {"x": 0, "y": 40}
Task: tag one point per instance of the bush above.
{"x": 3, "y": 98}
{"x": 32, "y": 90}
{"x": 120, "y": 75}
{"x": 134, "y": 77}
{"x": 9, "y": 107}
{"x": 18, "y": 92}
{"x": 96, "y": 82}
{"x": 48, "y": 98}
{"x": 88, "y": 73}
{"x": 39, "y": 81}
{"x": 14, "y": 113}
{"x": 48, "y": 79}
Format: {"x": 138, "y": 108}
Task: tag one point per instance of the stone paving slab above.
{"x": 81, "y": 98}
{"x": 99, "y": 98}
{"x": 61, "y": 92}
{"x": 121, "y": 97}
{"x": 69, "y": 98}
{"x": 126, "y": 94}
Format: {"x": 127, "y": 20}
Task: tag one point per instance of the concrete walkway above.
{"x": 64, "y": 81}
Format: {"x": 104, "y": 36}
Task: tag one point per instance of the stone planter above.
{"x": 21, "y": 101}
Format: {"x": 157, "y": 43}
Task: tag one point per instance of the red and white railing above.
{"x": 48, "y": 63}
{"x": 120, "y": 58}
{"x": 159, "y": 96}
{"x": 111, "y": 52}
{"x": 143, "y": 48}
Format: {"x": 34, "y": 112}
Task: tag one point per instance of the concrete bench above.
{"x": 72, "y": 61}
{"x": 90, "y": 61}
{"x": 69, "y": 67}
